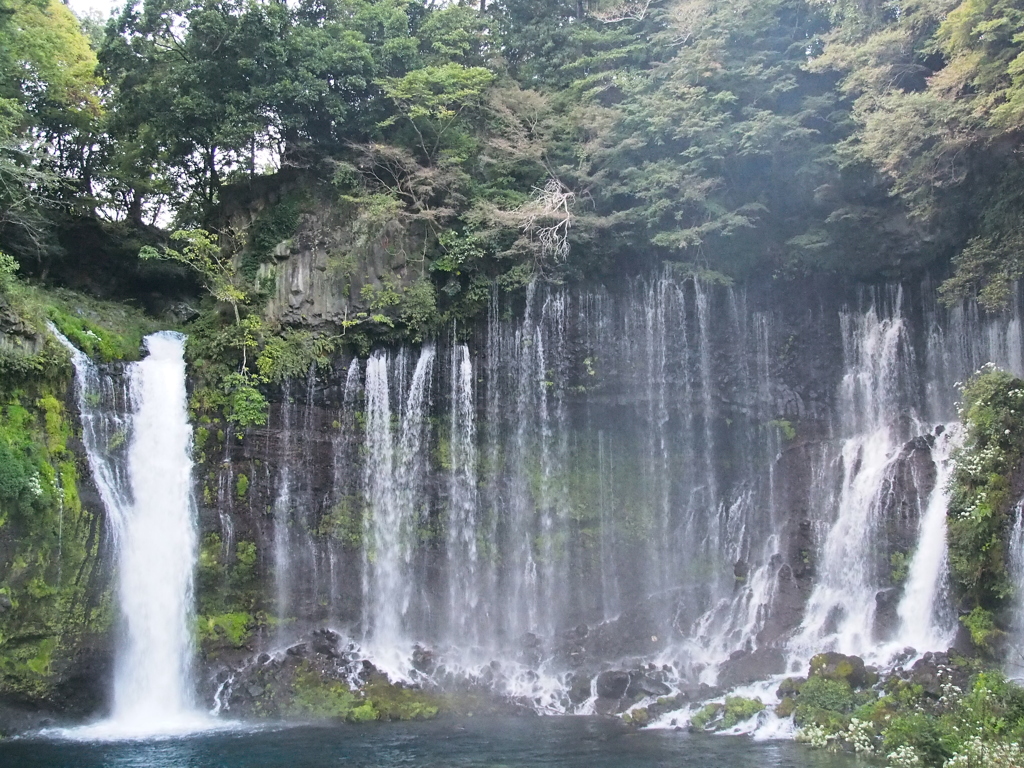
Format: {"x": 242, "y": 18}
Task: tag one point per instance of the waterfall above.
{"x": 714, "y": 479}
{"x": 840, "y": 613}
{"x": 1015, "y": 657}
{"x": 149, "y": 505}
{"x": 925, "y": 621}
{"x": 463, "y": 592}
{"x": 394, "y": 468}
{"x": 282, "y": 517}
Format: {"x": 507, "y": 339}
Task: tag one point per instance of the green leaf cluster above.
{"x": 980, "y": 505}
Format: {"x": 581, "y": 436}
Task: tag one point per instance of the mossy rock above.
{"x": 790, "y": 687}
{"x": 786, "y": 707}
{"x": 707, "y": 717}
{"x": 398, "y": 702}
{"x": 738, "y": 709}
{"x": 637, "y": 718}
{"x": 839, "y": 666}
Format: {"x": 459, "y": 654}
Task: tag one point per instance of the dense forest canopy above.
{"x": 568, "y": 139}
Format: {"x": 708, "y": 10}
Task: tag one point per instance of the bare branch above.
{"x": 635, "y": 10}
{"x": 549, "y": 218}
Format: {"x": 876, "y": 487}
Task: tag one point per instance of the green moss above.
{"x": 344, "y": 522}
{"x": 272, "y": 226}
{"x": 318, "y": 697}
{"x": 51, "y": 542}
{"x": 314, "y": 697}
{"x": 785, "y": 427}
{"x": 241, "y": 486}
{"x": 227, "y": 594}
{"x": 706, "y": 715}
{"x": 900, "y": 563}
{"x": 231, "y": 628}
{"x": 786, "y": 707}
{"x": 394, "y": 702}
{"x": 637, "y": 717}
{"x": 738, "y": 709}
{"x": 105, "y": 331}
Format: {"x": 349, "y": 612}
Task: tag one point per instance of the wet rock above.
{"x": 790, "y": 687}
{"x": 182, "y": 312}
{"x": 326, "y": 642}
{"x": 644, "y": 684}
{"x": 298, "y": 650}
{"x": 745, "y": 667}
{"x": 839, "y": 666}
{"x": 5, "y": 603}
{"x": 612, "y": 684}
{"x": 579, "y": 689}
{"x": 934, "y": 670}
{"x": 785, "y": 707}
{"x": 887, "y": 618}
{"x": 608, "y": 706}
{"x": 423, "y": 660}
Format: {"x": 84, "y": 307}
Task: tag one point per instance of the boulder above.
{"x": 645, "y": 684}
{"x": 612, "y": 684}
{"x": 744, "y": 667}
{"x": 839, "y": 666}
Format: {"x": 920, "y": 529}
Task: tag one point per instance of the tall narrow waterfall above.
{"x": 148, "y": 499}
{"x": 926, "y": 618}
{"x": 840, "y": 613}
{"x": 1015, "y": 658}
{"x": 394, "y": 469}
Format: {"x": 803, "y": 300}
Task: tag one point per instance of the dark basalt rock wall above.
{"x": 643, "y": 383}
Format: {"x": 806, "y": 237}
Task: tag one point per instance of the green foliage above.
{"x": 979, "y": 727}
{"x": 292, "y": 353}
{"x": 820, "y": 693}
{"x": 274, "y": 225}
{"x": 981, "y": 624}
{"x": 232, "y": 629}
{"x": 992, "y": 412}
{"x": 739, "y": 709}
{"x": 241, "y": 486}
{"x": 50, "y": 541}
{"x": 8, "y": 268}
{"x": 246, "y": 405}
{"x": 785, "y": 427}
{"x": 706, "y": 716}
{"x": 202, "y": 254}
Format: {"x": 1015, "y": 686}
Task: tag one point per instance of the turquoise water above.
{"x": 565, "y": 742}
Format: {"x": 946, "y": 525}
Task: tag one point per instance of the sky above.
{"x": 84, "y": 7}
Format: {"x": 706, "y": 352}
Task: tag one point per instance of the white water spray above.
{"x": 152, "y": 519}
{"x": 921, "y": 624}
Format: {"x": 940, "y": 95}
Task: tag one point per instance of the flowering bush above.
{"x": 992, "y": 411}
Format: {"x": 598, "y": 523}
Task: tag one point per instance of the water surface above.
{"x": 562, "y": 742}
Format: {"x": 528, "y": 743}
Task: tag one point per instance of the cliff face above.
{"x": 662, "y": 471}
{"x": 56, "y": 615}
{"x": 324, "y": 262}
